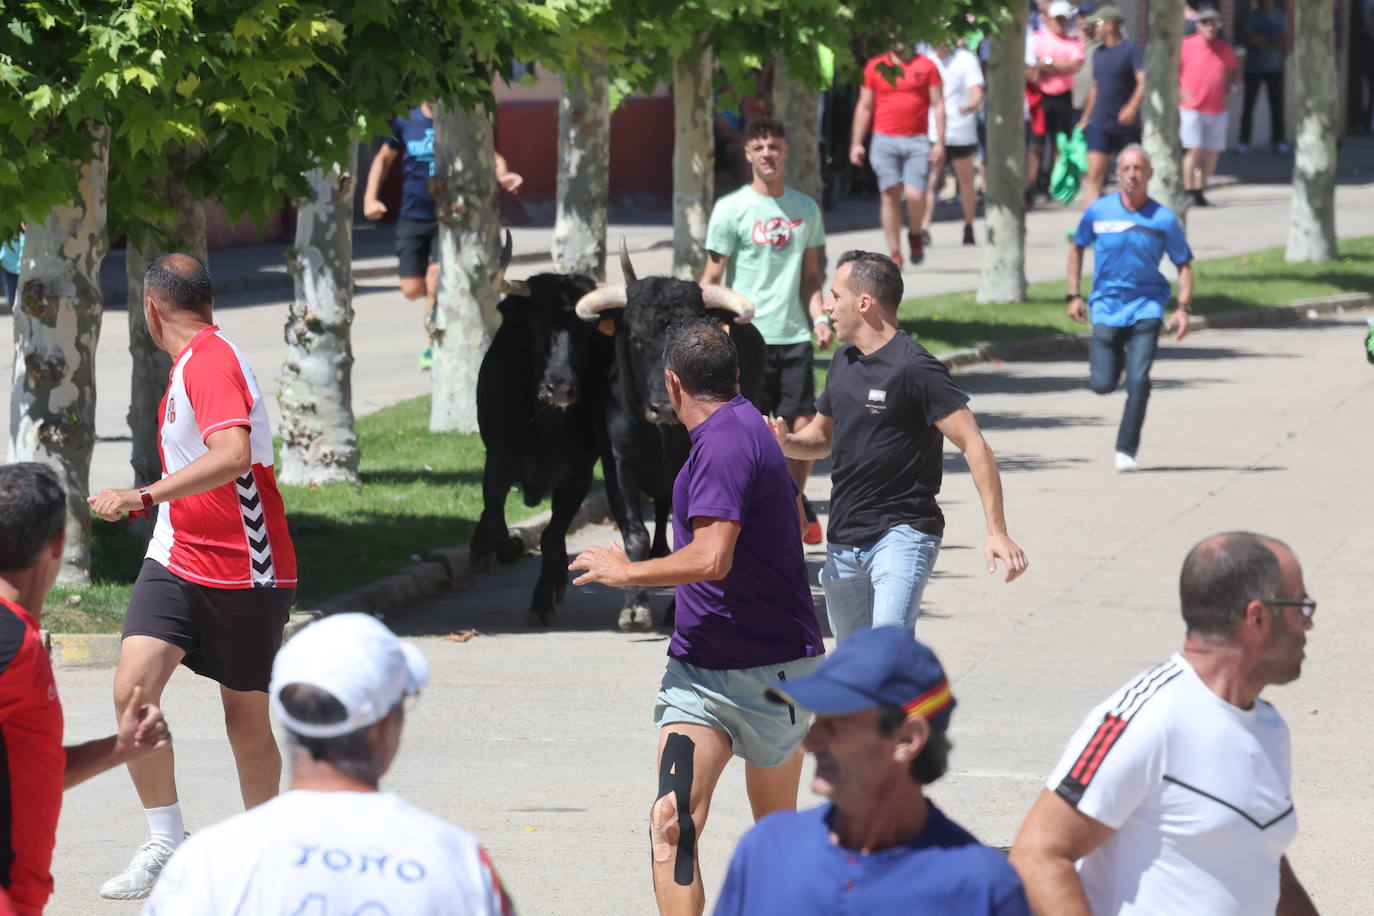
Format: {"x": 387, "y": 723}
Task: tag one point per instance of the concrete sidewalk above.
{"x": 541, "y": 743}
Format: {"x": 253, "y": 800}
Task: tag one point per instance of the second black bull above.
{"x": 642, "y": 444}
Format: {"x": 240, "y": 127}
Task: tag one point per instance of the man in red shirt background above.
{"x": 34, "y": 766}
{"x": 1206, "y": 74}
{"x": 220, "y": 573}
{"x": 899, "y": 113}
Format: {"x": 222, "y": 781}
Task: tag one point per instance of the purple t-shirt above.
{"x": 761, "y": 613}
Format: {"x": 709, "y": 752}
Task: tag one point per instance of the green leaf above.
{"x": 21, "y": 31}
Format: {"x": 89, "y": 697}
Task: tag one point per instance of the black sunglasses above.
{"x": 1306, "y": 606}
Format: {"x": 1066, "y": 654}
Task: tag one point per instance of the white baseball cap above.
{"x": 1061, "y": 8}
{"x": 355, "y": 659}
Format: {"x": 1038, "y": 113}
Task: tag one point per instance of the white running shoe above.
{"x": 1125, "y": 462}
{"x": 136, "y": 881}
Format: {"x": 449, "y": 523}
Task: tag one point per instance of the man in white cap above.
{"x": 333, "y": 843}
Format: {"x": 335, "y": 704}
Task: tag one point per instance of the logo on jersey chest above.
{"x": 171, "y": 410}
{"x": 877, "y": 400}
{"x": 775, "y": 231}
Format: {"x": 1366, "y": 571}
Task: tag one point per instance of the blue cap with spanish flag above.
{"x": 883, "y": 666}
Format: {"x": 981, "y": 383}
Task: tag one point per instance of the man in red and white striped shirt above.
{"x": 220, "y": 572}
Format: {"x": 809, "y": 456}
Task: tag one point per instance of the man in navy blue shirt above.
{"x": 1111, "y": 113}
{"x": 882, "y": 706}
{"x": 1130, "y": 235}
{"x": 417, "y": 230}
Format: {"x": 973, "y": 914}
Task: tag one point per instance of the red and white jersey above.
{"x": 233, "y": 536}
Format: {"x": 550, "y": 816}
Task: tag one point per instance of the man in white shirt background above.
{"x": 1173, "y": 795}
{"x": 333, "y": 843}
{"x": 963, "y": 90}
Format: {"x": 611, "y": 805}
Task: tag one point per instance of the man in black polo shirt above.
{"x": 888, "y": 405}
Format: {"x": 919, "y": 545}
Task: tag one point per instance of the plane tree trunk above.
{"x": 319, "y": 444}
{"x": 56, "y": 330}
{"x": 465, "y": 317}
{"x": 694, "y": 159}
{"x": 584, "y": 145}
{"x": 1312, "y": 213}
{"x": 1160, "y": 107}
{"x": 1003, "y": 277}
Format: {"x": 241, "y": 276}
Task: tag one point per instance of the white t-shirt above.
{"x": 959, "y": 72}
{"x": 327, "y": 853}
{"x": 1196, "y": 790}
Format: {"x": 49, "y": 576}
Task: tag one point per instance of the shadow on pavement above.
{"x": 1176, "y": 468}
{"x": 995, "y": 420}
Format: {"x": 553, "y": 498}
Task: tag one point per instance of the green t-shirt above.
{"x": 765, "y": 238}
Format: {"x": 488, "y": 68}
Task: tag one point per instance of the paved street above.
{"x": 540, "y": 742}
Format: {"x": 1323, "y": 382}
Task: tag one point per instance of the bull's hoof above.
{"x": 481, "y": 563}
{"x": 512, "y": 550}
{"x": 627, "y": 618}
{"x": 539, "y": 618}
{"x": 641, "y": 618}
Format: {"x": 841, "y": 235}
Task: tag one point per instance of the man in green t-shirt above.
{"x": 764, "y": 242}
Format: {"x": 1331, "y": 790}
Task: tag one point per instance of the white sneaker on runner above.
{"x": 1125, "y": 462}
{"x": 136, "y": 881}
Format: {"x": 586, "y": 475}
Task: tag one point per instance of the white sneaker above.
{"x": 136, "y": 881}
{"x": 1125, "y": 462}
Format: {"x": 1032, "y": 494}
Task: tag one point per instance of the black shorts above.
{"x": 789, "y": 381}
{"x": 1111, "y": 136}
{"x": 1058, "y": 115}
{"x": 229, "y": 635}
{"x": 960, "y": 152}
{"x": 416, "y": 245}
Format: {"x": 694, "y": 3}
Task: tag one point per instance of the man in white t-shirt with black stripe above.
{"x": 1173, "y": 795}
{"x": 333, "y": 843}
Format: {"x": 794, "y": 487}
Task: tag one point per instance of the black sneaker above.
{"x": 968, "y": 235}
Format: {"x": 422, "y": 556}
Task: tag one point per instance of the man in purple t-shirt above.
{"x": 744, "y": 620}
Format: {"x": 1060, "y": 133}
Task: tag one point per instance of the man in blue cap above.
{"x": 882, "y": 706}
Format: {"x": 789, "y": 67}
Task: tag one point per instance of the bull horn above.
{"x": 500, "y": 283}
{"x": 626, "y": 267}
{"x": 726, "y": 299}
{"x": 600, "y": 299}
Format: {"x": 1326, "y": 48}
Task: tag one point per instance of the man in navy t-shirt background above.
{"x": 882, "y": 705}
{"x": 412, "y": 141}
{"x": 1111, "y": 114}
{"x": 744, "y": 621}
{"x": 1129, "y": 234}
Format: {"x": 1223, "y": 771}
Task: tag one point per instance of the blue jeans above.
{"x": 1134, "y": 346}
{"x": 878, "y": 585}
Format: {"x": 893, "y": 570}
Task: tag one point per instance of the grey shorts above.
{"x": 764, "y": 733}
{"x": 900, "y": 160}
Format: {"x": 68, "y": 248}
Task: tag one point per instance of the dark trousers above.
{"x": 1132, "y": 348}
{"x": 11, "y": 282}
{"x": 1273, "y": 83}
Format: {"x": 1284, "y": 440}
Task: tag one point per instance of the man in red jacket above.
{"x": 34, "y": 766}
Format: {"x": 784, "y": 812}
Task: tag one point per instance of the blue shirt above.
{"x": 1127, "y": 247}
{"x": 12, "y": 254}
{"x": 1114, "y": 72}
{"x": 413, "y": 135}
{"x": 761, "y": 613}
{"x": 787, "y": 864}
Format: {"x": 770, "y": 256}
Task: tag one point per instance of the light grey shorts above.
{"x": 1202, "y": 131}
{"x": 900, "y": 160}
{"x": 764, "y": 733}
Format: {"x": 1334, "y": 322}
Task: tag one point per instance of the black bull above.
{"x": 539, "y": 394}
{"x": 644, "y": 445}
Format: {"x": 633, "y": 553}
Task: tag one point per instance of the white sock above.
{"x": 165, "y": 824}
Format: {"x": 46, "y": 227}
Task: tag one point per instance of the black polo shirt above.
{"x": 886, "y": 455}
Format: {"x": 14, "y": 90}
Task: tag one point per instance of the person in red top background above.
{"x": 901, "y": 92}
{"x": 1207, "y": 73}
{"x": 220, "y": 573}
{"x": 34, "y": 766}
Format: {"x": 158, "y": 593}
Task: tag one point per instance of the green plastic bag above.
{"x": 1069, "y": 165}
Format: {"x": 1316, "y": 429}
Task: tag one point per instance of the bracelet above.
{"x": 147, "y": 497}
{"x": 1072, "y": 296}
{"x": 820, "y": 320}
{"x": 1183, "y": 307}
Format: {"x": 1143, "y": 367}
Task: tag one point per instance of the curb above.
{"x": 439, "y": 571}
{"x": 1253, "y": 317}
